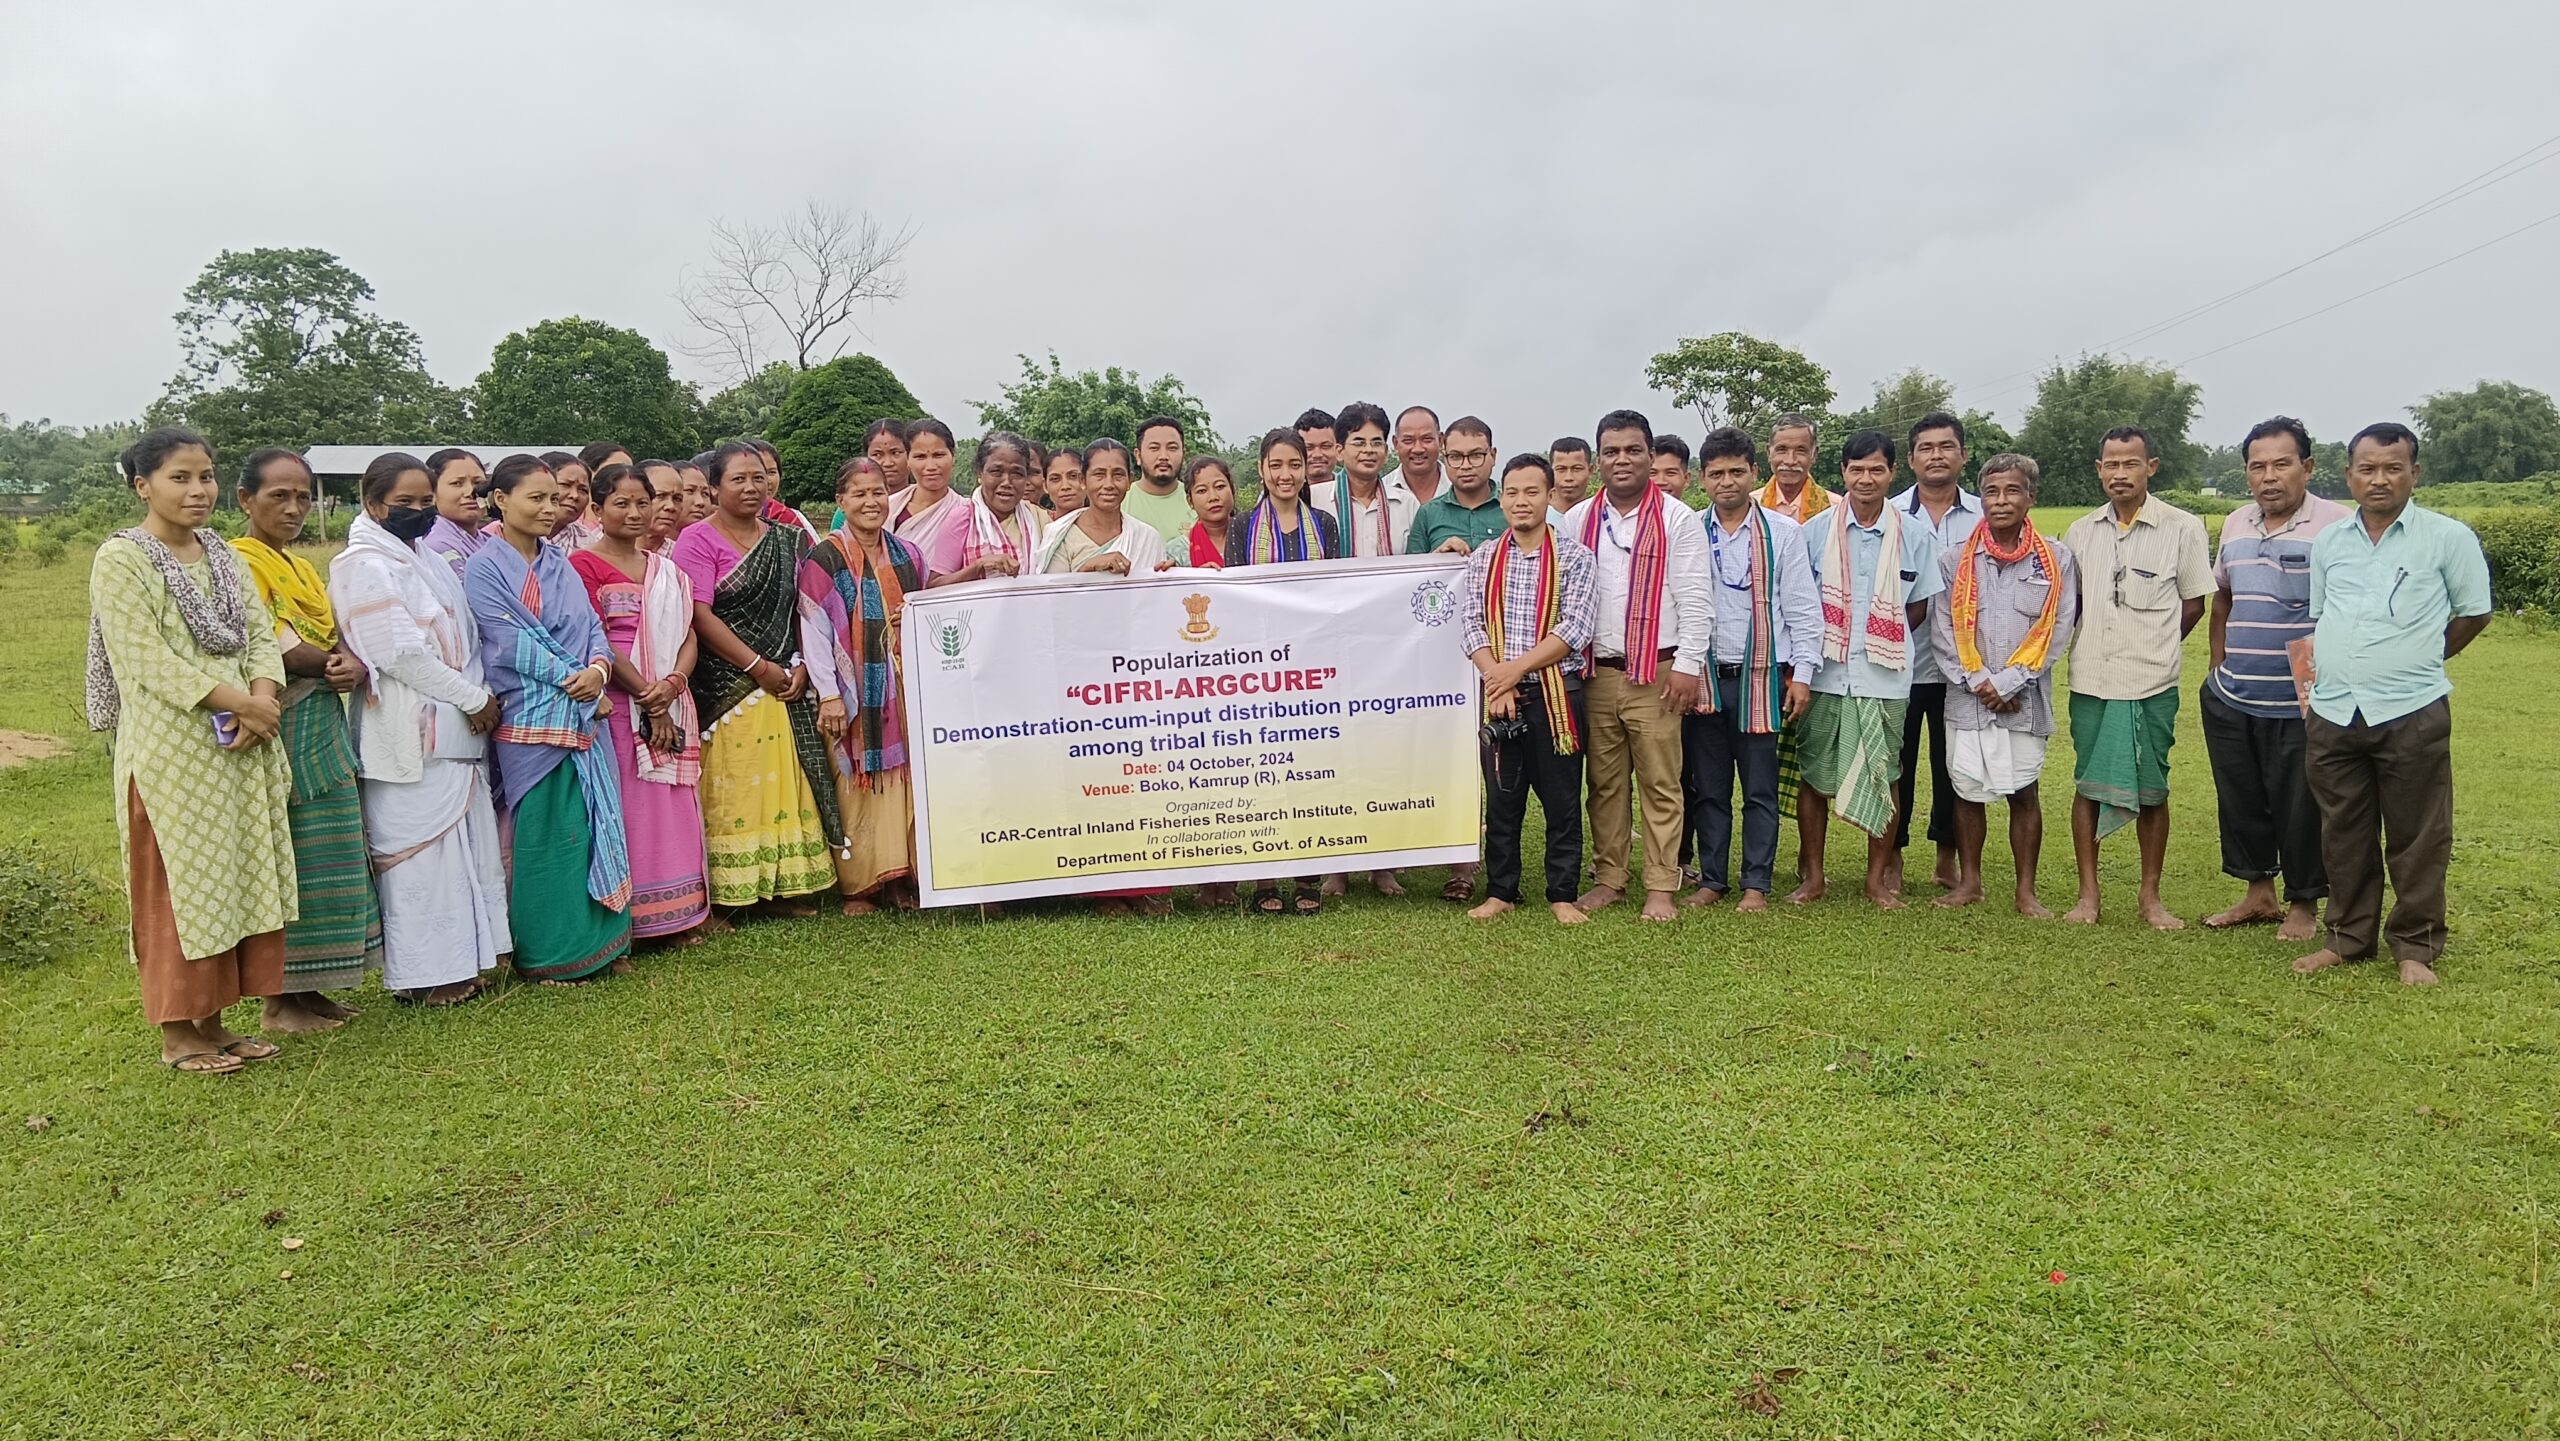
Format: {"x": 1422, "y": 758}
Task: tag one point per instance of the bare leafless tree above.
{"x": 789, "y": 291}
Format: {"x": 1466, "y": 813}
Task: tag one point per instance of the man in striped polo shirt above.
{"x": 2252, "y": 715}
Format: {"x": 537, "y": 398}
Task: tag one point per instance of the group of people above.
{"x": 544, "y": 711}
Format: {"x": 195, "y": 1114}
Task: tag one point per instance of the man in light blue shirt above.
{"x": 1849, "y": 755}
{"x": 1767, "y": 644}
{"x": 2395, "y": 593}
{"x": 1939, "y": 501}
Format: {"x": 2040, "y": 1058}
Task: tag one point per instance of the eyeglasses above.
{"x": 1467, "y": 457}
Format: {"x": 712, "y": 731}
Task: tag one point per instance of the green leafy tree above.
{"x": 1054, "y": 407}
{"x": 1739, "y": 380}
{"x": 283, "y": 347}
{"x": 2497, "y": 430}
{"x": 566, "y": 382}
{"x": 1899, "y": 404}
{"x": 748, "y": 407}
{"x": 47, "y": 459}
{"x": 819, "y": 424}
{"x": 2077, "y": 404}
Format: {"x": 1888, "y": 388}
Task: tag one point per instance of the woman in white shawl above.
{"x": 1005, "y": 530}
{"x": 420, "y": 728}
{"x": 1098, "y": 537}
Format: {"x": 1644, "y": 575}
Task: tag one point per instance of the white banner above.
{"x": 1072, "y": 734}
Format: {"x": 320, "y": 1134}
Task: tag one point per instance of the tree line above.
{"x": 287, "y": 346}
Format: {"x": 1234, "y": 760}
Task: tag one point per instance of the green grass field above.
{"x": 1383, "y": 1173}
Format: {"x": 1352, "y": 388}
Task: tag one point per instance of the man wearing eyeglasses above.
{"x": 2145, "y": 572}
{"x": 1465, "y": 514}
{"x": 1939, "y": 501}
{"x": 2395, "y": 593}
{"x": 1374, "y": 512}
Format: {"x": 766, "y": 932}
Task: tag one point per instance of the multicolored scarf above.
{"x": 1649, "y": 564}
{"x": 761, "y": 601}
{"x": 1811, "y": 501}
{"x": 864, "y": 603}
{"x": 218, "y": 620}
{"x": 987, "y": 534}
{"x": 1265, "y": 543}
{"x": 535, "y": 635}
{"x": 1763, "y": 692}
{"x": 1345, "y": 516}
{"x": 1887, "y": 624}
{"x": 292, "y": 589}
{"x": 1964, "y": 599}
{"x": 1551, "y": 684}
{"x": 666, "y": 620}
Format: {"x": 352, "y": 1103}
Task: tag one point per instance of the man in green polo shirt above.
{"x": 2396, "y": 591}
{"x": 1465, "y": 514}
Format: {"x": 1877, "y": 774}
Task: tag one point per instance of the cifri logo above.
{"x": 1434, "y": 602}
{"x": 949, "y": 635}
{"x": 1197, "y": 630}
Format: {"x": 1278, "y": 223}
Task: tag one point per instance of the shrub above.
{"x": 44, "y": 902}
{"x": 2523, "y": 545}
{"x": 45, "y": 549}
{"x": 819, "y": 424}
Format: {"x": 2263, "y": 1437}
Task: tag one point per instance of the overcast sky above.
{"x": 1499, "y": 207}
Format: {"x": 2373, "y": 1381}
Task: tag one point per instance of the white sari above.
{"x": 428, "y": 821}
{"x": 1142, "y": 543}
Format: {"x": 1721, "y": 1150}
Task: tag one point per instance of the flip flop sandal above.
{"x": 1266, "y": 901}
{"x": 1307, "y": 903}
{"x": 1459, "y": 888}
{"x": 260, "y": 1050}
{"x": 203, "y": 1063}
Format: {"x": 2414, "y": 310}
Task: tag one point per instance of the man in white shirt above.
{"x": 1373, "y": 512}
{"x": 1939, "y": 501}
{"x": 1653, "y": 622}
{"x": 1418, "y": 451}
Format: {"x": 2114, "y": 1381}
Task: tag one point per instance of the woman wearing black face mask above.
{"x": 420, "y": 745}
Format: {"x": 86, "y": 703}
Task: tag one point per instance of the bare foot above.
{"x": 859, "y": 906}
{"x": 1702, "y": 896}
{"x": 2316, "y": 962}
{"x": 319, "y": 1004}
{"x": 1948, "y": 874}
{"x": 1567, "y": 913}
{"x": 715, "y": 924}
{"x": 621, "y": 967}
{"x": 1658, "y": 907}
{"x": 1386, "y": 883}
{"x": 1218, "y": 895}
{"x": 791, "y": 908}
{"x": 2417, "y": 973}
{"x": 1814, "y": 889}
{"x": 2083, "y": 914}
{"x": 1490, "y": 909}
{"x": 2301, "y": 923}
{"x": 2032, "y": 908}
{"x": 1884, "y": 898}
{"x": 1334, "y": 886}
{"x": 1600, "y": 898}
{"x": 1154, "y": 907}
{"x": 1964, "y": 895}
{"x": 904, "y": 897}
{"x": 2158, "y": 918}
{"x": 1893, "y": 873}
{"x": 289, "y": 1016}
{"x": 2247, "y": 913}
{"x": 1111, "y": 907}
{"x": 452, "y": 995}
{"x": 1753, "y": 901}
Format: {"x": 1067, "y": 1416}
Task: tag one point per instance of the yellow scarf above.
{"x": 1811, "y": 501}
{"x": 1964, "y": 600}
{"x": 292, "y": 589}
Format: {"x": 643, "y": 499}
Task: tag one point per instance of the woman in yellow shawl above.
{"x": 338, "y": 936}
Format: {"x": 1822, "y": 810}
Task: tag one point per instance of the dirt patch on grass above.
{"x": 19, "y": 747}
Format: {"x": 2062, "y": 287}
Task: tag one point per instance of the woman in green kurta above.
{"x": 339, "y": 935}
{"x": 183, "y": 667}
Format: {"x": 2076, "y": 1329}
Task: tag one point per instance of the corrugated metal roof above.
{"x": 352, "y": 459}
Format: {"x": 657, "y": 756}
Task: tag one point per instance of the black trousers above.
{"x": 1512, "y": 769}
{"x": 2386, "y": 803}
{"x": 2270, "y": 823}
{"x": 1929, "y": 707}
{"x": 1717, "y": 747}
